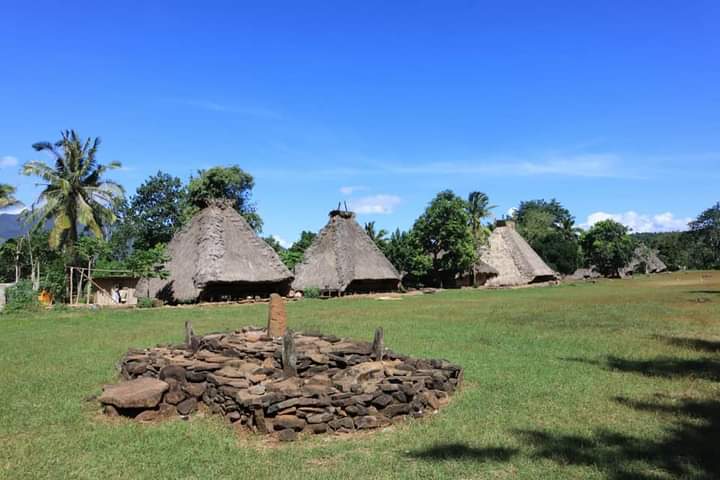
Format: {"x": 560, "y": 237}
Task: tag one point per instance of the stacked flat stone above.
{"x": 340, "y": 384}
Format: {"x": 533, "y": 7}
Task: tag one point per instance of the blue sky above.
{"x": 611, "y": 107}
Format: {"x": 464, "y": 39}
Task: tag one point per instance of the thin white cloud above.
{"x": 349, "y": 190}
{"x": 604, "y": 165}
{"x": 8, "y": 161}
{"x": 211, "y": 106}
{"x": 379, "y": 204}
{"x": 589, "y": 165}
{"x": 283, "y": 243}
{"x": 640, "y": 223}
{"x": 13, "y": 209}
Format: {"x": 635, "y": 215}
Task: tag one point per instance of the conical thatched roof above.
{"x": 343, "y": 258}
{"x": 480, "y": 267}
{"x": 514, "y": 259}
{"x": 645, "y": 260}
{"x": 584, "y": 274}
{"x": 218, "y": 251}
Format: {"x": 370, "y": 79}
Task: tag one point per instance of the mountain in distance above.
{"x": 11, "y": 226}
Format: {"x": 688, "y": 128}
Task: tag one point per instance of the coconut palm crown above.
{"x": 479, "y": 208}
{"x": 7, "y": 195}
{"x": 75, "y": 194}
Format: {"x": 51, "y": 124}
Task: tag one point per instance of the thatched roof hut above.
{"x": 343, "y": 259}
{"x": 217, "y": 256}
{"x": 644, "y": 260}
{"x": 478, "y": 274}
{"x": 514, "y": 259}
{"x": 584, "y": 274}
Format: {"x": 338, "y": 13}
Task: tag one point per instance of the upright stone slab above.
{"x": 378, "y": 345}
{"x": 277, "y": 318}
{"x": 289, "y": 355}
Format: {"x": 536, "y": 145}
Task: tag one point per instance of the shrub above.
{"x": 21, "y": 297}
{"x": 311, "y": 292}
{"x": 145, "y": 302}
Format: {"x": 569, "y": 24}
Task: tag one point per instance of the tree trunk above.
{"x": 18, "y": 249}
{"x": 89, "y": 282}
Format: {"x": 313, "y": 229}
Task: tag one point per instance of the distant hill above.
{"x": 11, "y": 226}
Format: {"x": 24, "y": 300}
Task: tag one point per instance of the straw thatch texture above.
{"x": 644, "y": 260}
{"x": 478, "y": 274}
{"x": 514, "y": 259}
{"x": 218, "y": 255}
{"x": 343, "y": 258}
{"x": 584, "y": 274}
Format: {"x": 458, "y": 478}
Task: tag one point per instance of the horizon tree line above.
{"x": 84, "y": 218}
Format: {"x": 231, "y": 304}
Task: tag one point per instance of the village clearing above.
{"x": 614, "y": 379}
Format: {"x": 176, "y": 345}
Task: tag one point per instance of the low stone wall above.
{"x": 313, "y": 383}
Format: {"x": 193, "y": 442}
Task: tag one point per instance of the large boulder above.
{"x": 143, "y": 392}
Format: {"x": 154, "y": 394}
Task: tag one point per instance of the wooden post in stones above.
{"x": 378, "y": 345}
{"x": 191, "y": 340}
{"x": 277, "y": 318}
{"x": 289, "y": 356}
{"x": 188, "y": 332}
{"x": 259, "y": 419}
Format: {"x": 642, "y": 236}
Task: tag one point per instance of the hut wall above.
{"x": 128, "y": 285}
{"x": 372, "y": 286}
{"x": 224, "y": 291}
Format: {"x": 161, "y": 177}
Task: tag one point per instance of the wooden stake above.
{"x": 378, "y": 346}
{"x": 289, "y": 356}
{"x": 191, "y": 340}
{"x": 188, "y": 332}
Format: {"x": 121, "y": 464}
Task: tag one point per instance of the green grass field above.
{"x": 618, "y": 379}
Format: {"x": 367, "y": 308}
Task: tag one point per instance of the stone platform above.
{"x": 301, "y": 382}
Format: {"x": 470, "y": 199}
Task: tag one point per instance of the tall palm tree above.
{"x": 377, "y": 236}
{"x": 7, "y": 195}
{"x": 479, "y": 209}
{"x": 75, "y": 194}
{"x": 568, "y": 229}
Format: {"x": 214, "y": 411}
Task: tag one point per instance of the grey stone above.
{"x": 142, "y": 392}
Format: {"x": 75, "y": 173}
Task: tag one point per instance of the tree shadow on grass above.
{"x": 688, "y": 449}
{"x": 709, "y": 346}
{"x": 460, "y": 451}
{"x": 706, "y": 292}
{"x": 668, "y": 367}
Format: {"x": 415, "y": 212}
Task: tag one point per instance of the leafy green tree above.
{"x": 7, "y": 195}
{"x": 149, "y": 263}
{"x": 231, "y": 183}
{"x": 557, "y": 212}
{"x": 550, "y": 230}
{"x": 30, "y": 257}
{"x": 379, "y": 237}
{"x": 705, "y": 230}
{"x": 121, "y": 236}
{"x": 479, "y": 208}
{"x": 404, "y": 252}
{"x": 90, "y": 250}
{"x": 274, "y": 244}
{"x": 75, "y": 194}
{"x": 295, "y": 254}
{"x": 608, "y": 247}
{"x": 156, "y": 210}
{"x": 10, "y": 256}
{"x": 443, "y": 233}
{"x": 673, "y": 248}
